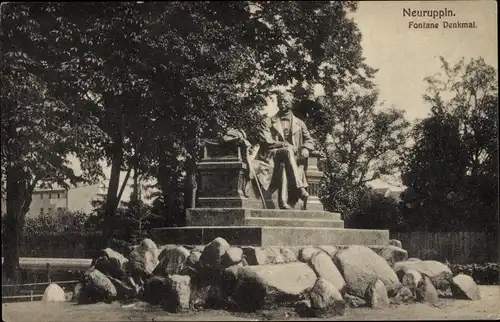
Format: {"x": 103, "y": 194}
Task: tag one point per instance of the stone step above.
{"x": 294, "y": 222}
{"x": 309, "y": 214}
{"x": 237, "y": 217}
{"x": 270, "y": 236}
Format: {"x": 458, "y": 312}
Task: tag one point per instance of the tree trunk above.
{"x": 19, "y": 192}
{"x": 113, "y": 186}
{"x": 135, "y": 195}
{"x": 169, "y": 190}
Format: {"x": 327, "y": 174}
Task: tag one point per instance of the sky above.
{"x": 406, "y": 56}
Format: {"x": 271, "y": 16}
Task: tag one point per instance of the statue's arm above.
{"x": 307, "y": 140}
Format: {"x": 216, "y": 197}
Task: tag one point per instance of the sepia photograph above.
{"x": 249, "y": 160}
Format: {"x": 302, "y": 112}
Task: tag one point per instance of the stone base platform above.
{"x": 262, "y": 218}
{"x": 270, "y": 236}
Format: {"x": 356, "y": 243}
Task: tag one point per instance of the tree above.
{"x": 452, "y": 167}
{"x": 38, "y": 131}
{"x": 364, "y": 146}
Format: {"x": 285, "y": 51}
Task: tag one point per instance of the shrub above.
{"x": 59, "y": 223}
{"x": 483, "y": 274}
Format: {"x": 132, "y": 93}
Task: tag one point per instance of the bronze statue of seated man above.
{"x": 285, "y": 144}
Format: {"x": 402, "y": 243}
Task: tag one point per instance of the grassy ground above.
{"x": 486, "y": 308}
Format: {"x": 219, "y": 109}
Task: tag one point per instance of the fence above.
{"x": 456, "y": 247}
{"x": 53, "y": 270}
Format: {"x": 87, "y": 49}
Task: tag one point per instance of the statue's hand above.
{"x": 285, "y": 145}
{"x": 304, "y": 153}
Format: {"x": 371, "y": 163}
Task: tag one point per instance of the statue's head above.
{"x": 285, "y": 101}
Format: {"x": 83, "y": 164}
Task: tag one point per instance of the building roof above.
{"x": 56, "y": 187}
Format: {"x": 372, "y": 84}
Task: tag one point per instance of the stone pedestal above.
{"x": 222, "y": 178}
{"x": 229, "y": 205}
{"x": 270, "y": 236}
{"x": 314, "y": 175}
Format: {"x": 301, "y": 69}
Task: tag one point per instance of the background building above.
{"x": 58, "y": 199}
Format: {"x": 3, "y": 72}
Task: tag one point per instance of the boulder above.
{"x": 413, "y": 259}
{"x": 254, "y": 287}
{"x": 395, "y": 242}
{"x": 192, "y": 263}
{"x": 112, "y": 263}
{"x": 360, "y": 266}
{"x": 162, "y": 250}
{"x": 122, "y": 247}
{"x": 207, "y": 296}
{"x": 263, "y": 255}
{"x": 426, "y": 292}
{"x": 147, "y": 243}
{"x": 143, "y": 260}
{"x": 376, "y": 295}
{"x": 212, "y": 254}
{"x": 304, "y": 308}
{"x": 53, "y": 293}
{"x": 410, "y": 279}
{"x": 404, "y": 295}
{"x": 76, "y": 291}
{"x": 177, "y": 294}
{"x": 330, "y": 250}
{"x": 448, "y": 293}
{"x": 116, "y": 257}
{"x": 124, "y": 291}
{"x": 288, "y": 255}
{"x": 393, "y": 254}
{"x": 305, "y": 254}
{"x": 193, "y": 258}
{"x": 354, "y": 301}
{"x": 172, "y": 261}
{"x": 440, "y": 274}
{"x": 464, "y": 287}
{"x": 96, "y": 287}
{"x": 325, "y": 299}
{"x": 233, "y": 256}
{"x": 153, "y": 290}
{"x": 324, "y": 267}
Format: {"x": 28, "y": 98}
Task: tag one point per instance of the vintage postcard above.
{"x": 249, "y": 160}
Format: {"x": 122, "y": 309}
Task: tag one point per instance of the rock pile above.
{"x": 318, "y": 281}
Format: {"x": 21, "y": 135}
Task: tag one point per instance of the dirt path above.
{"x": 487, "y": 308}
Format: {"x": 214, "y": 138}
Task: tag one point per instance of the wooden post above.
{"x": 31, "y": 296}
{"x": 48, "y": 273}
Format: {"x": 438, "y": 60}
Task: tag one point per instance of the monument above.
{"x": 264, "y": 194}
